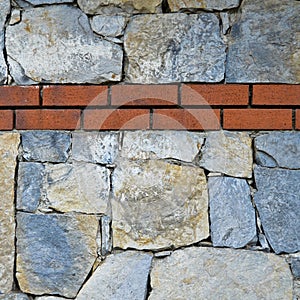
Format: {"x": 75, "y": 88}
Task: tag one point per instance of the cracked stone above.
{"x": 177, "y": 5}
{"x": 174, "y": 48}
{"x": 63, "y": 34}
{"x": 112, "y": 26}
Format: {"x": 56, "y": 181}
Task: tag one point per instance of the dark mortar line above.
{"x": 41, "y": 91}
{"x": 250, "y": 96}
{"x": 149, "y": 287}
{"x": 81, "y": 125}
{"x": 5, "y": 54}
{"x": 222, "y": 118}
{"x": 294, "y": 119}
{"x": 151, "y": 118}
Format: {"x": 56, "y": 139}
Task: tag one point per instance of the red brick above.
{"x": 193, "y": 119}
{"x": 48, "y": 119}
{"x": 116, "y": 119}
{"x": 214, "y": 94}
{"x": 6, "y": 119}
{"x": 19, "y": 95}
{"x": 75, "y": 95}
{"x": 298, "y": 119}
{"x": 276, "y": 94}
{"x": 257, "y": 119}
{"x": 144, "y": 95}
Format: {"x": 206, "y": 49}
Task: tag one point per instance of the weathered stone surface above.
{"x": 229, "y": 153}
{"x": 112, "y": 7}
{"x": 259, "y": 52}
{"x": 95, "y": 147}
{"x": 55, "y": 253}
{"x": 62, "y": 34}
{"x": 48, "y": 298}
{"x": 155, "y": 145}
{"x": 278, "y": 149}
{"x": 41, "y": 2}
{"x": 296, "y": 290}
{"x": 174, "y": 48}
{"x": 176, "y": 5}
{"x": 46, "y": 146}
{"x": 295, "y": 265}
{"x": 277, "y": 201}
{"x": 4, "y": 11}
{"x": 157, "y": 205}
{"x": 15, "y": 16}
{"x": 30, "y": 184}
{"x": 106, "y": 242}
{"x": 121, "y": 276}
{"x": 209, "y": 273}
{"x": 14, "y": 296}
{"x": 9, "y": 143}
{"x": 109, "y": 25}
{"x": 232, "y": 215}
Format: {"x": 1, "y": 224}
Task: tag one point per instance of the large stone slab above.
{"x": 121, "y": 276}
{"x": 229, "y": 153}
{"x": 9, "y": 143}
{"x": 210, "y": 273}
{"x": 259, "y": 52}
{"x": 55, "y": 253}
{"x": 74, "y": 54}
{"x": 278, "y": 149}
{"x": 277, "y": 201}
{"x": 158, "y": 205}
{"x": 177, "y": 145}
{"x": 176, "y": 5}
{"x": 232, "y": 216}
{"x": 174, "y": 48}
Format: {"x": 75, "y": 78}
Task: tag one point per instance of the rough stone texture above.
{"x": 112, "y": 7}
{"x": 95, "y": 147}
{"x": 14, "y": 296}
{"x": 157, "y": 205}
{"x": 178, "y": 145}
{"x": 295, "y": 265}
{"x": 9, "y": 143}
{"x": 229, "y": 153}
{"x": 109, "y": 25}
{"x": 176, "y": 5}
{"x": 296, "y": 290}
{"x": 45, "y": 146}
{"x": 63, "y": 35}
{"x": 174, "y": 48}
{"x": 232, "y": 215}
{"x": 4, "y": 11}
{"x": 41, "y": 2}
{"x": 132, "y": 269}
{"x": 48, "y": 298}
{"x": 106, "y": 242}
{"x": 55, "y": 253}
{"x": 208, "y": 273}
{"x": 278, "y": 149}
{"x": 30, "y": 184}
{"x": 259, "y": 52}
{"x": 277, "y": 201}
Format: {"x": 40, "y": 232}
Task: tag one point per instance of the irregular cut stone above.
{"x": 174, "y": 48}
{"x": 9, "y": 143}
{"x": 96, "y": 147}
{"x": 277, "y": 201}
{"x": 259, "y": 52}
{"x": 30, "y": 185}
{"x": 278, "y": 149}
{"x": 112, "y": 7}
{"x": 46, "y": 146}
{"x": 132, "y": 269}
{"x": 229, "y": 153}
{"x": 41, "y": 2}
{"x": 232, "y": 215}
{"x": 106, "y": 242}
{"x": 157, "y": 205}
{"x": 14, "y": 296}
{"x": 210, "y": 273}
{"x": 176, "y": 5}
{"x": 15, "y": 16}
{"x": 62, "y": 34}
{"x": 109, "y": 25}
{"x": 295, "y": 265}
{"x": 296, "y": 290}
{"x": 48, "y": 298}
{"x": 167, "y": 144}
{"x": 55, "y": 253}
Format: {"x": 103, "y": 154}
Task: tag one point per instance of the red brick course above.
{"x": 6, "y": 120}
{"x": 19, "y": 96}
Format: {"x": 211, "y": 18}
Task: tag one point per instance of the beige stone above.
{"x": 176, "y": 5}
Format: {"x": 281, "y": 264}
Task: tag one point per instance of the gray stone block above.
{"x": 14, "y": 296}
{"x": 295, "y": 265}
{"x": 176, "y": 5}
{"x": 112, "y": 26}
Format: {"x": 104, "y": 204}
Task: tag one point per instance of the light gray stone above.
{"x": 174, "y": 48}
{"x": 46, "y": 146}
{"x": 106, "y": 242}
{"x": 229, "y": 153}
{"x": 9, "y": 143}
{"x": 157, "y": 205}
{"x": 41, "y": 2}
{"x": 277, "y": 201}
{"x": 55, "y": 253}
{"x": 259, "y": 52}
{"x": 296, "y": 290}
{"x": 14, "y": 296}
{"x": 30, "y": 185}
{"x": 278, "y": 149}
{"x": 121, "y": 276}
{"x": 48, "y": 298}
{"x": 295, "y": 265}
{"x": 109, "y": 25}
{"x": 176, "y": 5}
{"x": 178, "y": 145}
{"x": 232, "y": 215}
{"x": 15, "y": 16}
{"x": 210, "y": 273}
{"x": 74, "y": 54}
{"x": 95, "y": 147}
